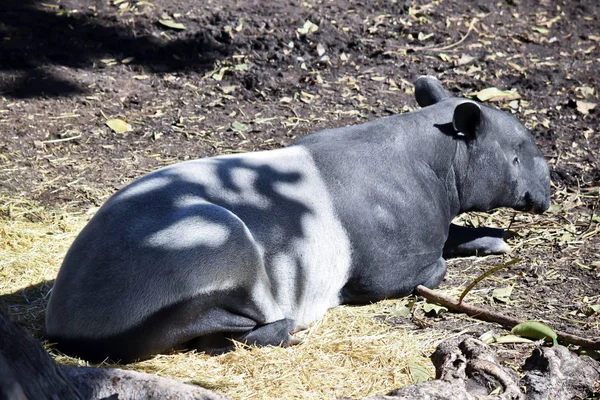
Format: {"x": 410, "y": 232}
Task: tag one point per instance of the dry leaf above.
{"x": 320, "y": 49}
{"x": 308, "y": 28}
{"x": 584, "y": 107}
{"x": 502, "y": 294}
{"x": 494, "y": 94}
{"x": 465, "y": 59}
{"x": 118, "y": 125}
{"x": 169, "y": 23}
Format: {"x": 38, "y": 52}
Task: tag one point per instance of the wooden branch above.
{"x": 491, "y": 316}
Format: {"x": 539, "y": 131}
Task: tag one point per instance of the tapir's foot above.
{"x": 293, "y": 341}
{"x": 273, "y": 334}
{"x": 465, "y": 241}
{"x": 299, "y": 328}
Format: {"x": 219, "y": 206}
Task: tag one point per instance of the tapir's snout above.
{"x": 535, "y": 204}
{"x": 537, "y": 197}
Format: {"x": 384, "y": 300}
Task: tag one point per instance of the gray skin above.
{"x": 251, "y": 247}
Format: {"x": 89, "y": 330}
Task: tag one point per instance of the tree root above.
{"x": 467, "y": 369}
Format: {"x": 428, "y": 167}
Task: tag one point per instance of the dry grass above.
{"x": 347, "y": 353}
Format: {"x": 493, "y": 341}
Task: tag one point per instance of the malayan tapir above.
{"x": 252, "y": 246}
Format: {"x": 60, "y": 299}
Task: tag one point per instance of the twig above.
{"x": 485, "y": 275}
{"x": 435, "y": 48}
{"x": 490, "y": 316}
{"x": 61, "y": 140}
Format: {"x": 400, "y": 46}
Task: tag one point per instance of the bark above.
{"x": 28, "y": 372}
{"x": 467, "y": 369}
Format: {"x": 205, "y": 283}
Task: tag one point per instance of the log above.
{"x": 28, "y": 372}
{"x": 467, "y": 369}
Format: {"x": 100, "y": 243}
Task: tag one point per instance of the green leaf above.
{"x": 434, "y": 308}
{"x": 535, "y": 330}
{"x": 502, "y": 294}
{"x": 170, "y": 23}
{"x": 541, "y": 30}
{"x": 418, "y": 373}
{"x": 118, "y": 125}
{"x": 308, "y": 28}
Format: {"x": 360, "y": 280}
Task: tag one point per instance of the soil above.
{"x": 243, "y": 75}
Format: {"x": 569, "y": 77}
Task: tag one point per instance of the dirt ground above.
{"x": 248, "y": 75}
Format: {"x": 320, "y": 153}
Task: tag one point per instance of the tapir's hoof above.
{"x": 293, "y": 341}
{"x": 299, "y": 328}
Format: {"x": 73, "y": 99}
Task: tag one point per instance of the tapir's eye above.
{"x": 516, "y": 160}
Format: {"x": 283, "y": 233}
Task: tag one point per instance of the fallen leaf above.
{"x": 240, "y": 25}
{"x": 465, "y": 59}
{"x": 584, "y": 107}
{"x": 434, "y": 308}
{"x": 228, "y": 89}
{"x": 502, "y": 294}
{"x": 494, "y": 94}
{"x": 585, "y": 91}
{"x": 118, "y": 125}
{"x": 535, "y": 330}
{"x": 320, "y": 49}
{"x": 418, "y": 373}
{"x": 169, "y": 23}
{"x": 541, "y": 30}
{"x": 308, "y": 28}
{"x": 488, "y": 337}
{"x": 444, "y": 57}
{"x": 510, "y": 339}
{"x": 422, "y": 36}
{"x": 515, "y": 66}
{"x": 239, "y": 127}
{"x": 402, "y": 310}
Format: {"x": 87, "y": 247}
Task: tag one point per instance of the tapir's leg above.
{"x": 466, "y": 241}
{"x": 436, "y": 273}
{"x": 273, "y": 334}
{"x": 220, "y": 291}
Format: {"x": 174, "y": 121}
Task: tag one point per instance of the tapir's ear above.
{"x": 428, "y": 91}
{"x": 467, "y": 116}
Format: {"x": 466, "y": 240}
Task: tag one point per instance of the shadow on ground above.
{"x": 39, "y": 38}
{"x": 27, "y": 306}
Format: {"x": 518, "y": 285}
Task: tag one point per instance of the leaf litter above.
{"x": 55, "y": 168}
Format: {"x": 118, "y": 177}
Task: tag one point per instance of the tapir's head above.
{"x": 497, "y": 162}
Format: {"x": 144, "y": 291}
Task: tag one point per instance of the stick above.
{"x": 448, "y": 47}
{"x": 490, "y": 316}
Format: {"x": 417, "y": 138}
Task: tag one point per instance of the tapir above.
{"x": 251, "y": 247}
